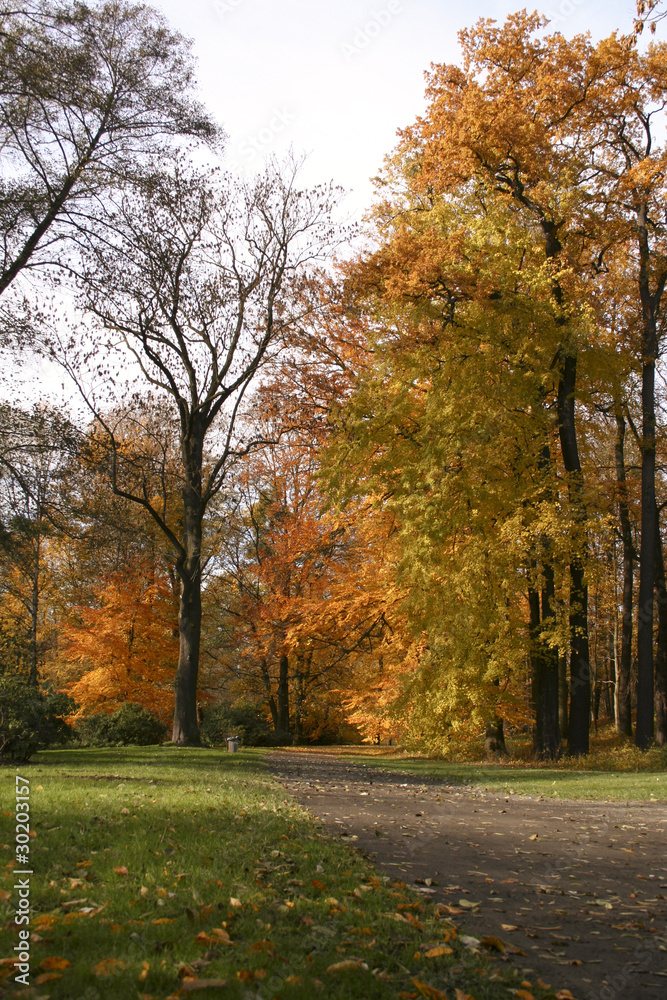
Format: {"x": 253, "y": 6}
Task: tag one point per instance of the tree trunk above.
{"x": 298, "y": 697}
{"x": 544, "y": 660}
{"x": 186, "y": 731}
{"x": 273, "y": 708}
{"x": 494, "y": 741}
{"x": 283, "y": 700}
{"x": 580, "y": 670}
{"x": 562, "y": 695}
{"x": 645, "y": 678}
{"x": 623, "y": 687}
{"x": 661, "y": 652}
{"x": 34, "y": 609}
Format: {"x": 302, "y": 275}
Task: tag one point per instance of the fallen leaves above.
{"x": 346, "y": 965}
{"x": 121, "y": 870}
{"x": 216, "y": 936}
{"x": 429, "y": 991}
{"x": 443, "y": 910}
{"x": 492, "y": 943}
{"x": 107, "y": 967}
{"x": 194, "y": 985}
{"x": 47, "y": 977}
{"x": 438, "y": 952}
{"x": 250, "y": 975}
{"x": 54, "y": 964}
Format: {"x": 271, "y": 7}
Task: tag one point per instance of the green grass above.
{"x": 551, "y": 782}
{"x": 140, "y": 854}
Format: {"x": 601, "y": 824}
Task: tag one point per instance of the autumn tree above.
{"x": 125, "y": 646}
{"x": 565, "y": 132}
{"x": 35, "y": 458}
{"x": 298, "y": 588}
{"x": 89, "y": 90}
{"x": 201, "y": 288}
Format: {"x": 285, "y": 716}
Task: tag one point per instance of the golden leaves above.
{"x": 108, "y": 967}
{"x": 54, "y": 963}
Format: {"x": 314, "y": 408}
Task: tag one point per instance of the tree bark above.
{"x": 494, "y": 740}
{"x": 661, "y": 652}
{"x": 623, "y": 700}
{"x": 563, "y": 719}
{"x": 645, "y": 668}
{"x": 186, "y": 730}
{"x": 283, "y": 699}
{"x": 544, "y": 661}
{"x": 580, "y": 670}
{"x": 34, "y": 607}
{"x": 298, "y": 697}
{"x": 273, "y": 708}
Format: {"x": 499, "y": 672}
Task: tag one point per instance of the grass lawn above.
{"x": 162, "y": 873}
{"x": 562, "y": 781}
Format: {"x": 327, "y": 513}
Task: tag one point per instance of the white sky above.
{"x": 336, "y": 78}
{"x": 332, "y": 78}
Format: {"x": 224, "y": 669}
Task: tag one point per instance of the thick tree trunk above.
{"x": 563, "y": 692}
{"x": 645, "y": 677}
{"x": 283, "y": 700}
{"x": 623, "y": 688}
{"x": 661, "y": 652}
{"x": 580, "y": 670}
{"x": 544, "y": 660}
{"x": 273, "y": 708}
{"x": 185, "y": 730}
{"x": 494, "y": 740}
{"x": 298, "y": 698}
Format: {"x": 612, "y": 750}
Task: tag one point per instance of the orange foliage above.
{"x": 127, "y": 645}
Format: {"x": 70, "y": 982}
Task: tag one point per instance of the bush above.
{"x": 129, "y": 725}
{"x": 244, "y": 721}
{"x": 30, "y": 718}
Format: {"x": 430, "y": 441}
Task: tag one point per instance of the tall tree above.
{"x": 89, "y": 90}
{"x": 202, "y": 288}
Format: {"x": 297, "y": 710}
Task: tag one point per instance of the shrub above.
{"x": 129, "y": 725}
{"x": 30, "y": 718}
{"x": 244, "y": 721}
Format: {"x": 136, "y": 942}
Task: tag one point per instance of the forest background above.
{"x": 402, "y": 484}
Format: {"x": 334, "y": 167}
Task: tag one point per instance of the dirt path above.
{"x": 577, "y": 889}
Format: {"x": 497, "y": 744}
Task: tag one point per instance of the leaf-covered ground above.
{"x": 573, "y": 893}
{"x": 164, "y": 873}
{"x": 567, "y": 780}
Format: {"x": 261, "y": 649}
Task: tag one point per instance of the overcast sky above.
{"x": 337, "y": 78}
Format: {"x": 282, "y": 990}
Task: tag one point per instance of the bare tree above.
{"x": 203, "y": 288}
{"x": 87, "y": 90}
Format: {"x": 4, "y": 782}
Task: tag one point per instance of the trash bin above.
{"x": 232, "y": 744}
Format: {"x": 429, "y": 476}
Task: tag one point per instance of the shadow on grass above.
{"x": 154, "y": 759}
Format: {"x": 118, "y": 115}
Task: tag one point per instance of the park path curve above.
{"x": 581, "y": 884}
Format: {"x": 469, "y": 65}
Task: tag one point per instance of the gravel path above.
{"x": 576, "y": 890}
